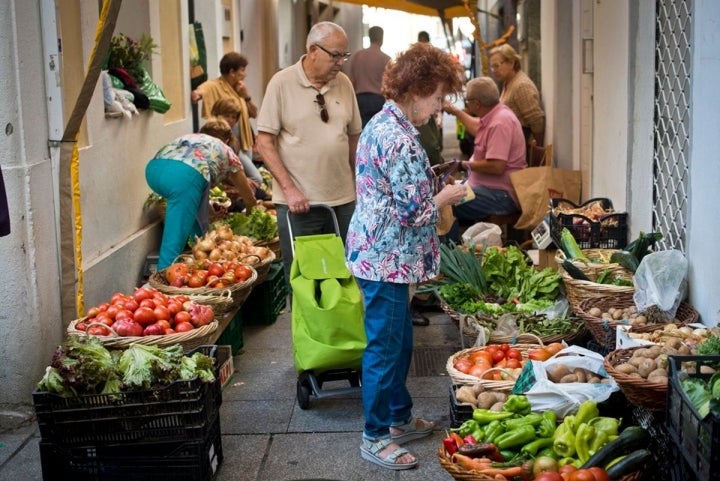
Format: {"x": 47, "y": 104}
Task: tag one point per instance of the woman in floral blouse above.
{"x": 392, "y": 242}
{"x": 183, "y": 171}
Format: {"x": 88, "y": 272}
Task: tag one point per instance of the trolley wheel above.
{"x": 303, "y": 395}
{"x": 355, "y": 379}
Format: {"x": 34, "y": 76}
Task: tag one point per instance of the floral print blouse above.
{"x": 208, "y": 155}
{"x": 392, "y": 235}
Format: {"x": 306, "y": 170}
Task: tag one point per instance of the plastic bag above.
{"x": 565, "y": 398}
{"x": 158, "y": 102}
{"x": 483, "y": 233}
{"x": 661, "y": 280}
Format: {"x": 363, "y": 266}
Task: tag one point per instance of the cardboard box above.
{"x": 543, "y": 258}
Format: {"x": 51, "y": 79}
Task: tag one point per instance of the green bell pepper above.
{"x": 539, "y": 444}
{"x": 518, "y": 404}
{"x": 485, "y": 416}
{"x": 532, "y": 419}
{"x": 583, "y": 438}
{"x": 587, "y": 411}
{"x": 493, "y": 430}
{"x": 564, "y": 441}
{"x": 515, "y": 438}
{"x": 608, "y": 425}
{"x": 466, "y": 428}
{"x": 548, "y": 425}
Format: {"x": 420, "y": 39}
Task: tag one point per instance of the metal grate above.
{"x": 430, "y": 361}
{"x": 673, "y": 37}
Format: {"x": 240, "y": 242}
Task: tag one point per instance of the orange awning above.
{"x": 443, "y": 8}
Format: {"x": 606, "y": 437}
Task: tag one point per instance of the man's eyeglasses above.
{"x": 496, "y": 66}
{"x": 336, "y": 56}
{"x": 324, "y": 116}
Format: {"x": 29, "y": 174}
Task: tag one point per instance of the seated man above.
{"x": 499, "y": 150}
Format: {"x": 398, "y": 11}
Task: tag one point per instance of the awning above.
{"x": 443, "y": 8}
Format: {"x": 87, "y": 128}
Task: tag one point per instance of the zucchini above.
{"x": 635, "y": 461}
{"x": 626, "y": 259}
{"x": 570, "y": 246}
{"x": 632, "y": 438}
{"x": 573, "y": 271}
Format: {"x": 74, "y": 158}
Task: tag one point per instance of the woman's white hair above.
{"x": 320, "y": 31}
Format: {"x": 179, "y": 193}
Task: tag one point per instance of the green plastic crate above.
{"x": 233, "y": 333}
{"x": 266, "y": 300}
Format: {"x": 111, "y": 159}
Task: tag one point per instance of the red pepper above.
{"x": 450, "y": 445}
{"x": 470, "y": 439}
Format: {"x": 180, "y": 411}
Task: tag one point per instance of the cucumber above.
{"x": 573, "y": 271}
{"x": 634, "y": 461}
{"x": 570, "y": 246}
{"x": 626, "y": 259}
{"x": 632, "y": 438}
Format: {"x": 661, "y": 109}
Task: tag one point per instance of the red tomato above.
{"x": 174, "y": 306}
{"x": 147, "y": 303}
{"x": 117, "y": 298}
{"x": 123, "y": 314}
{"x": 154, "y": 330}
{"x": 216, "y": 269}
{"x": 164, "y": 323}
{"x": 103, "y": 306}
{"x": 142, "y": 293}
{"x": 81, "y": 326}
{"x": 514, "y": 354}
{"x": 462, "y": 365}
{"x": 98, "y": 331}
{"x": 112, "y": 311}
{"x": 177, "y": 273}
{"x": 144, "y": 315}
{"x": 505, "y": 347}
{"x": 485, "y": 356}
{"x": 599, "y": 473}
{"x": 513, "y": 364}
{"x": 491, "y": 348}
{"x": 162, "y": 313}
{"x": 103, "y": 318}
{"x": 242, "y": 273}
{"x": 184, "y": 316}
{"x": 93, "y": 311}
{"x": 567, "y": 469}
{"x": 183, "y": 327}
{"x": 498, "y": 356}
{"x": 478, "y": 369}
{"x": 582, "y": 475}
{"x": 130, "y": 304}
{"x": 195, "y": 281}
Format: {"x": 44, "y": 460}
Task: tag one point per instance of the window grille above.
{"x": 673, "y": 61}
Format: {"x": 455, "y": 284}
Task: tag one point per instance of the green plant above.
{"x": 129, "y": 54}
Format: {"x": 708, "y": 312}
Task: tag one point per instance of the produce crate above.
{"x": 178, "y": 460}
{"x": 697, "y": 439}
{"x": 266, "y": 300}
{"x": 459, "y": 413}
{"x": 608, "y": 233}
{"x": 226, "y": 366}
{"x": 182, "y": 411}
{"x": 233, "y": 333}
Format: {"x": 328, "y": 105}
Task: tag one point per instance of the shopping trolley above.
{"x": 328, "y": 331}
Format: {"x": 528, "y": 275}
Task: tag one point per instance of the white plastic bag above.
{"x": 483, "y": 233}
{"x": 565, "y": 398}
{"x": 661, "y": 280}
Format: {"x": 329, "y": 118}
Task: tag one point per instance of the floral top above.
{"x": 392, "y": 235}
{"x": 208, "y": 155}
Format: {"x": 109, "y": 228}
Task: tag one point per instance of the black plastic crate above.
{"x": 265, "y": 302}
{"x": 459, "y": 413}
{"x": 608, "y": 233}
{"x": 697, "y": 439}
{"x": 232, "y": 335}
{"x": 182, "y": 411}
{"x": 196, "y": 460}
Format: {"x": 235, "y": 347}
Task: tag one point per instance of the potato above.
{"x": 636, "y": 360}
{"x": 485, "y": 400}
{"x": 501, "y": 397}
{"x": 498, "y": 406}
{"x": 569, "y": 378}
{"x": 653, "y": 352}
{"x": 626, "y": 368}
{"x": 706, "y": 369}
{"x": 478, "y": 388}
{"x": 465, "y": 394}
{"x": 657, "y": 373}
{"x": 646, "y": 367}
{"x": 595, "y": 312}
{"x": 580, "y": 374}
{"x": 557, "y": 372}
{"x": 593, "y": 380}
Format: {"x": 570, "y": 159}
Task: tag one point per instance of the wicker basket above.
{"x": 604, "y": 331}
{"x": 188, "y": 340}
{"x": 639, "y": 391}
{"x": 577, "y": 291}
{"x": 262, "y": 267}
{"x": 504, "y": 385}
{"x": 216, "y": 212}
{"x": 239, "y": 291}
{"x": 273, "y": 245}
{"x": 462, "y": 474}
{"x": 593, "y": 268}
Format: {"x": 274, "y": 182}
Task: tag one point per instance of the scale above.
{"x": 541, "y": 235}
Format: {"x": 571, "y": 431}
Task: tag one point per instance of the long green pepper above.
{"x": 583, "y": 438}
{"x": 485, "y": 416}
{"x": 516, "y": 438}
{"x": 564, "y": 441}
{"x": 547, "y": 426}
{"x": 493, "y": 430}
{"x": 532, "y": 419}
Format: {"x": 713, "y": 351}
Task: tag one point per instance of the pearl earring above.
{"x": 415, "y": 111}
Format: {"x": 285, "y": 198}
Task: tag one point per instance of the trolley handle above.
{"x": 289, "y": 215}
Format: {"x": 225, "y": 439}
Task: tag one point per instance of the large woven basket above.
{"x": 459, "y": 377}
{"x": 639, "y": 391}
{"x": 273, "y": 245}
{"x": 577, "y": 291}
{"x": 262, "y": 267}
{"x": 188, "y": 340}
{"x": 215, "y": 213}
{"x": 604, "y": 331}
{"x": 592, "y": 268}
{"x": 462, "y": 474}
{"x": 238, "y": 291}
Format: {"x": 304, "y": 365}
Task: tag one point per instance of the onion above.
{"x": 215, "y": 254}
{"x": 224, "y": 232}
{"x": 199, "y": 254}
{"x": 205, "y": 244}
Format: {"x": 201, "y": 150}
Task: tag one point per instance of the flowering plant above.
{"x": 129, "y": 54}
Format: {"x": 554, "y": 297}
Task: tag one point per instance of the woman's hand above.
{"x": 451, "y": 194}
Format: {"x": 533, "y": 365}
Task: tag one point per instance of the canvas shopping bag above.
{"x": 535, "y": 186}
{"x": 328, "y": 329}
{"x": 198, "y": 55}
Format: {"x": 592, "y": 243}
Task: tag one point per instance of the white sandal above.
{"x": 410, "y": 432}
{"x": 371, "y": 449}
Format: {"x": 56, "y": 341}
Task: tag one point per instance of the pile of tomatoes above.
{"x": 571, "y": 473}
{"x": 210, "y": 274}
{"x": 505, "y": 356}
{"x": 146, "y": 312}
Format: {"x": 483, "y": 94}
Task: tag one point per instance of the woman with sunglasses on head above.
{"x": 392, "y": 242}
{"x": 308, "y": 126}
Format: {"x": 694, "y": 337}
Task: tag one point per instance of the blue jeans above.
{"x": 317, "y": 221}
{"x": 183, "y": 187}
{"x": 386, "y": 360}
